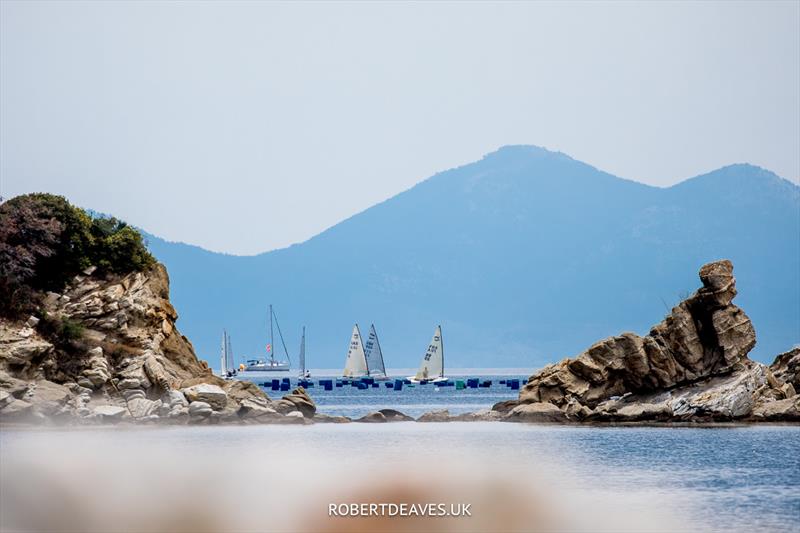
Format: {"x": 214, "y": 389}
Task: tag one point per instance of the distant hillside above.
{"x": 524, "y": 257}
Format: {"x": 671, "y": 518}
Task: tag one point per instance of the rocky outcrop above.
{"x": 692, "y": 366}
{"x": 125, "y": 360}
{"x": 786, "y": 368}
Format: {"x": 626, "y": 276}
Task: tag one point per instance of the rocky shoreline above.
{"x": 130, "y": 365}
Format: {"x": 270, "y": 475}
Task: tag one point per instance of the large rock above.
{"x": 439, "y": 415}
{"x": 297, "y": 400}
{"x": 200, "y": 410}
{"x": 703, "y": 336}
{"x": 537, "y": 412}
{"x": 213, "y": 395}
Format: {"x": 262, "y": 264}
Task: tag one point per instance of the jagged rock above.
{"x": 212, "y": 395}
{"x": 787, "y": 410}
{"x": 299, "y": 400}
{"x": 373, "y": 418}
{"x": 32, "y": 321}
{"x": 691, "y": 366}
{"x": 704, "y": 335}
{"x": 392, "y": 415}
{"x": 110, "y": 412}
{"x": 442, "y": 415}
{"x": 198, "y": 409}
{"x": 536, "y": 412}
{"x": 786, "y": 367}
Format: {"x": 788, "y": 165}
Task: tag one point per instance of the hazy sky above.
{"x": 245, "y": 127}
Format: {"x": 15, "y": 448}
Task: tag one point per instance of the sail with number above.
{"x": 432, "y": 366}
{"x": 356, "y": 363}
{"x": 374, "y": 355}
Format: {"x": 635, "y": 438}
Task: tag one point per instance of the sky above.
{"x": 244, "y": 127}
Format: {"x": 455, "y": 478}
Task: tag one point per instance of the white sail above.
{"x": 229, "y": 356}
{"x": 303, "y": 353}
{"x": 374, "y": 355}
{"x": 356, "y": 363}
{"x": 223, "y": 353}
{"x": 432, "y": 365}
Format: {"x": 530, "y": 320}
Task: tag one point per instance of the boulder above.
{"x": 250, "y": 408}
{"x": 392, "y": 415}
{"x": 300, "y": 401}
{"x": 110, "y": 412}
{"x": 441, "y": 415}
{"x": 483, "y": 415}
{"x": 198, "y": 409}
{"x": 536, "y": 412}
{"x": 373, "y": 418}
{"x": 212, "y": 395}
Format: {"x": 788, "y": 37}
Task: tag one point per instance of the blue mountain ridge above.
{"x": 524, "y": 257}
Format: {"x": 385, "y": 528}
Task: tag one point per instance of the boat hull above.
{"x": 440, "y": 379}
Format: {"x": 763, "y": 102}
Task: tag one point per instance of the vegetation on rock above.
{"x": 45, "y": 241}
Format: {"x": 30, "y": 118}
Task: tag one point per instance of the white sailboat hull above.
{"x": 413, "y": 379}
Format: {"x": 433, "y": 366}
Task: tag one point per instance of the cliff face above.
{"x": 107, "y": 349}
{"x": 693, "y": 365}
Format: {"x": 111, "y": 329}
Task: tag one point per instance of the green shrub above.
{"x": 45, "y": 241}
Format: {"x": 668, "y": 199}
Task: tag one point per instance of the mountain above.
{"x": 523, "y": 257}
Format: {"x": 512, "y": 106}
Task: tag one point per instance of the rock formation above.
{"x": 125, "y": 361}
{"x": 691, "y": 366}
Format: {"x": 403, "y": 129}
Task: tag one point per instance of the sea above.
{"x": 511, "y": 477}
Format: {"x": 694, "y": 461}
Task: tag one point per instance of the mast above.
{"x": 303, "y": 353}
{"x": 283, "y": 342}
{"x": 271, "y": 338}
{"x": 441, "y": 341}
{"x": 231, "y": 364}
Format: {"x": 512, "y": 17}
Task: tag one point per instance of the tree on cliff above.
{"x": 45, "y": 241}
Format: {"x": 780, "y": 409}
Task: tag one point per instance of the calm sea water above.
{"x": 516, "y": 476}
{"x": 413, "y": 401}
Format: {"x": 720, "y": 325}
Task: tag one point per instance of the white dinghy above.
{"x": 431, "y": 369}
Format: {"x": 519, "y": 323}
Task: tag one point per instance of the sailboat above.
{"x": 270, "y": 364}
{"x": 355, "y": 365}
{"x": 374, "y": 356}
{"x": 431, "y": 369}
{"x": 227, "y": 368}
{"x": 304, "y": 373}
